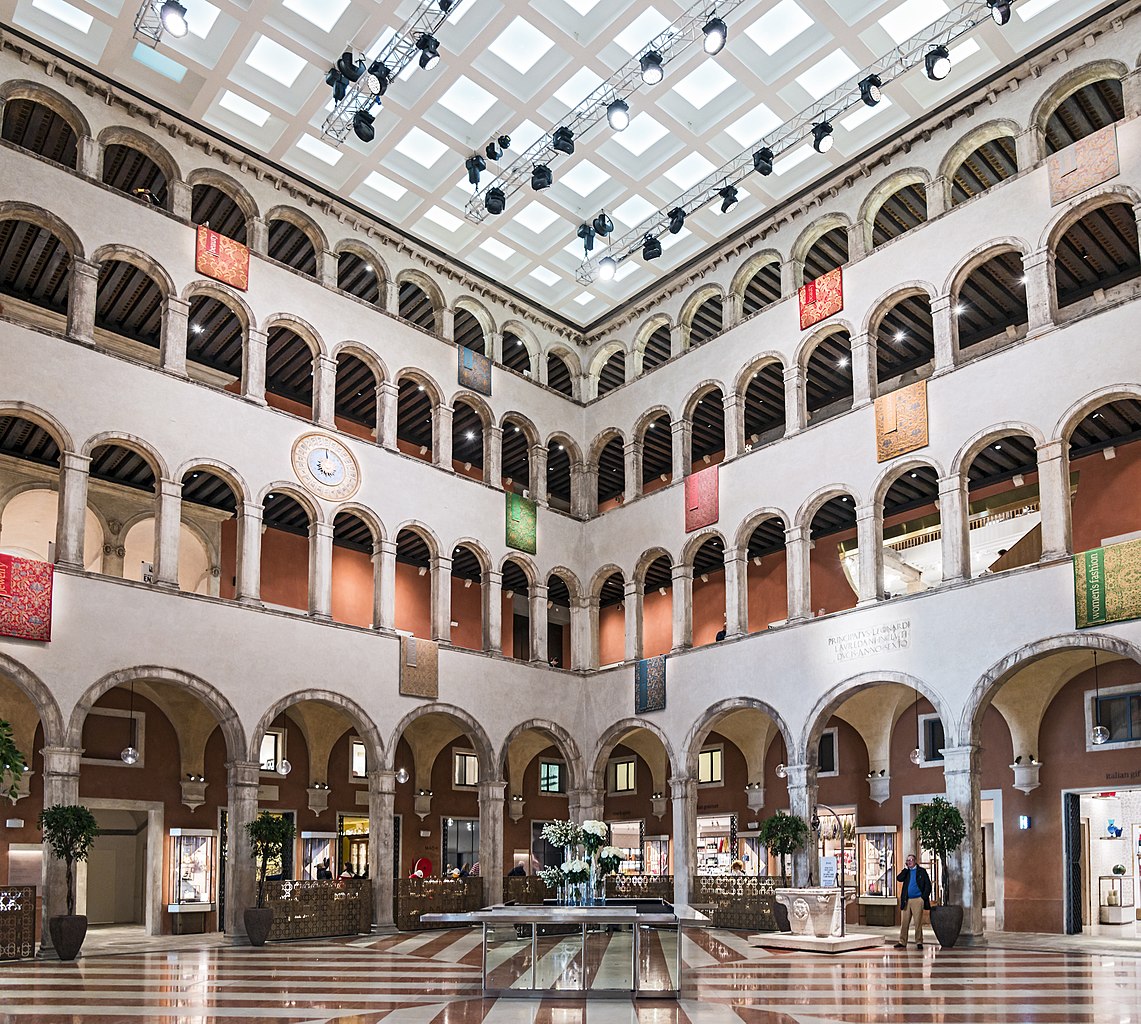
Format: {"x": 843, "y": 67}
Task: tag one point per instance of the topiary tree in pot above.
{"x": 12, "y": 763}
{"x": 941, "y": 830}
{"x": 70, "y": 831}
{"x": 268, "y": 833}
{"x": 783, "y": 834}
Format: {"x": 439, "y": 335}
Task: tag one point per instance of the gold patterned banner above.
{"x": 821, "y": 298}
{"x": 419, "y": 668}
{"x": 901, "y": 421}
{"x": 222, "y": 258}
{"x": 522, "y": 523}
{"x": 1088, "y": 162}
{"x": 1107, "y": 584}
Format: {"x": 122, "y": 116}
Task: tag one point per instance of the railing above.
{"x": 17, "y": 922}
{"x": 311, "y": 910}
{"x": 526, "y": 890}
{"x": 744, "y": 902}
{"x": 641, "y": 887}
{"x": 416, "y": 896}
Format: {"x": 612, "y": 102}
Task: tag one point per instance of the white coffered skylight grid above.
{"x": 254, "y": 70}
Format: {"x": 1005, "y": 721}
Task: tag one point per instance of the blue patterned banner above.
{"x": 650, "y": 685}
{"x": 474, "y": 370}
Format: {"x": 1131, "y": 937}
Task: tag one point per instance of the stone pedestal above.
{"x": 814, "y": 911}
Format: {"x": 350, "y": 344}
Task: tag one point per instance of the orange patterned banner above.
{"x": 701, "y": 499}
{"x": 1088, "y": 162}
{"x": 901, "y": 421}
{"x": 223, "y": 259}
{"x": 821, "y": 298}
{"x": 26, "y": 598}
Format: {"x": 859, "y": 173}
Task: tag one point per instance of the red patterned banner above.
{"x": 821, "y": 298}
{"x": 222, "y": 258}
{"x": 701, "y": 504}
{"x": 25, "y": 598}
{"x": 1088, "y": 162}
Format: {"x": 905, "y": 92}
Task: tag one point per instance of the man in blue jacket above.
{"x": 914, "y": 898}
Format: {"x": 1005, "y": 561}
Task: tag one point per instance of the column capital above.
{"x": 800, "y": 776}
{"x": 388, "y": 387}
{"x": 678, "y": 425}
{"x": 74, "y": 461}
{"x": 795, "y": 534}
{"x": 441, "y": 563}
{"x": 633, "y": 588}
{"x": 169, "y": 488}
{"x": 61, "y": 760}
{"x": 383, "y": 781}
{"x": 1052, "y": 450}
{"x": 387, "y": 547}
{"x": 252, "y": 510}
{"x": 868, "y": 511}
{"x": 317, "y": 528}
{"x": 631, "y": 447}
{"x": 1037, "y": 258}
{"x": 791, "y": 373}
{"x": 940, "y": 304}
{"x": 950, "y": 484}
{"x": 683, "y": 787}
{"x": 736, "y": 555}
{"x": 491, "y": 789}
{"x": 243, "y": 773}
{"x": 85, "y": 268}
{"x": 681, "y": 572}
{"x": 961, "y": 760}
{"x": 540, "y": 591}
{"x": 177, "y": 304}
{"x": 493, "y": 577}
{"x": 326, "y": 362}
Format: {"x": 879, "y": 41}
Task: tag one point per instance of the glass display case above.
{"x": 192, "y": 856}
{"x": 829, "y": 843}
{"x": 877, "y": 900}
{"x": 657, "y": 855}
{"x": 1115, "y": 899}
{"x": 716, "y": 844}
{"x": 752, "y": 854}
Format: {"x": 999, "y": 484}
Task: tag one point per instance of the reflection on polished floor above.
{"x": 433, "y": 978}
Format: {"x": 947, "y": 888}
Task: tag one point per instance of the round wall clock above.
{"x": 325, "y": 467}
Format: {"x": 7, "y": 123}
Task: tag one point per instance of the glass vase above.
{"x": 596, "y": 887}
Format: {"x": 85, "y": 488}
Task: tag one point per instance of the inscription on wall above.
{"x": 860, "y": 643}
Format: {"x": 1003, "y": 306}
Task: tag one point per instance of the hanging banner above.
{"x": 1088, "y": 162}
{"x": 26, "y": 598}
{"x": 222, "y": 258}
{"x": 1107, "y": 584}
{"x": 419, "y": 668}
{"x": 474, "y": 371}
{"x": 901, "y": 421}
{"x": 522, "y": 523}
{"x": 650, "y": 685}
{"x": 821, "y": 298}
{"x": 701, "y": 499}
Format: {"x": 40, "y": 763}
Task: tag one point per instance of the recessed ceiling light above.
{"x": 276, "y": 62}
{"x": 246, "y": 110}
{"x": 62, "y": 11}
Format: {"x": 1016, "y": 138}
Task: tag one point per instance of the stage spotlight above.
{"x": 173, "y": 18}
{"x": 937, "y": 63}
{"x": 379, "y": 78}
{"x": 715, "y": 33}
{"x": 475, "y": 165}
{"x": 351, "y": 69}
{"x": 607, "y": 268}
{"x": 495, "y": 201}
{"x": 563, "y": 140}
{"x": 763, "y": 161}
{"x": 586, "y": 233}
{"x": 651, "y": 248}
{"x": 677, "y": 220}
{"x": 652, "y": 70}
{"x": 822, "y": 137}
{"x": 429, "y": 48}
{"x": 446, "y": 5}
{"x": 870, "y": 90}
{"x": 493, "y": 151}
{"x": 602, "y": 225}
{"x": 363, "y": 125}
{"x": 541, "y": 177}
{"x": 999, "y": 11}
{"x": 618, "y": 115}
{"x": 728, "y": 198}
{"x": 338, "y": 82}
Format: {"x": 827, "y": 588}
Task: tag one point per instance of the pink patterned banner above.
{"x": 821, "y": 298}
{"x": 1088, "y": 162}
{"x": 701, "y": 499}
{"x": 222, "y": 258}
{"x": 26, "y": 598}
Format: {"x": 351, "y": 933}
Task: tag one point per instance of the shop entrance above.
{"x": 1102, "y": 838}
{"x": 352, "y": 841}
{"x": 716, "y": 843}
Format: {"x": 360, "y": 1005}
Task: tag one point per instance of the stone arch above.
{"x": 696, "y": 542}
{"x": 221, "y": 470}
{"x": 600, "y": 359}
{"x": 813, "y": 232}
{"x": 571, "y": 446}
{"x": 481, "y": 313}
{"x": 224, "y": 294}
{"x": 122, "y": 135}
{"x": 601, "y": 440}
{"x": 649, "y": 416}
{"x": 563, "y": 740}
{"x": 140, "y": 261}
{"x": 1065, "y": 218}
{"x": 697, "y": 393}
{"x": 369, "y": 732}
{"x": 570, "y": 578}
{"x": 365, "y": 514}
{"x": 366, "y": 355}
{"x": 33, "y": 414}
{"x": 567, "y": 356}
{"x": 648, "y": 558}
{"x": 142, "y": 448}
{"x": 530, "y": 342}
{"x": 895, "y": 470}
{"x": 601, "y": 575}
{"x": 642, "y": 339}
{"x": 420, "y": 377}
{"x": 815, "y": 501}
{"x": 312, "y": 509}
{"x": 303, "y": 222}
{"x": 424, "y": 531}
{"x": 478, "y": 404}
{"x": 428, "y": 287}
{"x": 758, "y": 362}
{"x": 475, "y": 732}
{"x": 22, "y": 89}
{"x": 612, "y": 736}
{"x": 808, "y": 346}
{"x": 223, "y": 711}
{"x": 753, "y": 520}
{"x": 1068, "y": 84}
{"x": 897, "y": 293}
{"x": 369, "y": 255}
{"x": 1000, "y": 128}
{"x": 881, "y": 193}
{"x": 14, "y": 210}
{"x": 995, "y": 432}
{"x": 696, "y": 298}
{"x": 524, "y": 421}
{"x": 482, "y": 555}
{"x": 707, "y": 721}
{"x": 526, "y": 563}
{"x": 1091, "y": 403}
{"x": 302, "y": 328}
{"x": 749, "y": 269}
{"x": 230, "y": 186}
{"x": 38, "y": 693}
{"x": 978, "y": 256}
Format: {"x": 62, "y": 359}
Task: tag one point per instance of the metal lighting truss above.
{"x": 396, "y": 55}
{"x": 671, "y": 42}
{"x": 148, "y": 24}
{"x": 958, "y": 22}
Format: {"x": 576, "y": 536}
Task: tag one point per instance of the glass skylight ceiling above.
{"x": 256, "y": 73}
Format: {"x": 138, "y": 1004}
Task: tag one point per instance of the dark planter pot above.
{"x": 67, "y": 932}
{"x": 780, "y": 912}
{"x": 946, "y": 923}
{"x": 258, "y": 920}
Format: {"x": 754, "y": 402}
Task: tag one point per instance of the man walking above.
{"x": 914, "y": 898}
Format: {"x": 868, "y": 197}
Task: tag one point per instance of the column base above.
{"x": 321, "y": 616}
{"x": 384, "y": 929}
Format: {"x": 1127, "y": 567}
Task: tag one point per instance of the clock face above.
{"x": 325, "y": 466}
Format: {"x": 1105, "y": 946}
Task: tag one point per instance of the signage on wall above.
{"x": 827, "y": 872}
{"x": 860, "y": 643}
{"x": 148, "y": 572}
{"x": 222, "y": 258}
{"x": 1107, "y": 584}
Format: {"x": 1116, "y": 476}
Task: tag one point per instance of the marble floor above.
{"x": 433, "y": 978}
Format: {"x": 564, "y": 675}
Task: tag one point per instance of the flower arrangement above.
{"x": 609, "y": 859}
{"x": 576, "y": 871}
{"x": 552, "y": 877}
{"x": 562, "y": 833}
{"x": 593, "y": 835}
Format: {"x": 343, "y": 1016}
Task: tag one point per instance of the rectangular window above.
{"x": 465, "y": 768}
{"x": 550, "y": 777}
{"x": 828, "y": 760}
{"x": 932, "y": 739}
{"x": 272, "y": 749}
{"x": 1121, "y": 715}
{"x": 624, "y": 776}
{"x": 358, "y": 764}
{"x": 709, "y": 766}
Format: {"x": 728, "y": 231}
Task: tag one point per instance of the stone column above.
{"x": 448, "y": 324}
{"x": 494, "y": 346}
{"x": 943, "y": 325}
{"x": 392, "y": 298}
{"x": 442, "y": 599}
{"x": 791, "y": 277}
{"x": 248, "y": 587}
{"x": 679, "y": 337}
{"x": 259, "y": 236}
{"x": 586, "y": 804}
{"x": 1038, "y": 268}
{"x": 864, "y": 372}
{"x": 733, "y": 412}
{"x": 589, "y": 476}
{"x": 1131, "y": 93}
{"x": 491, "y": 839}
{"x": 584, "y": 653}
{"x": 71, "y": 519}
{"x": 1054, "y": 499}
{"x": 736, "y": 592}
{"x": 1028, "y": 148}
{"x": 324, "y": 391}
{"x": 387, "y": 584}
{"x": 253, "y": 366}
{"x": 858, "y": 246}
{"x": 387, "y": 396}
{"x": 381, "y": 846}
{"x": 181, "y": 200}
{"x": 632, "y": 596}
{"x": 801, "y": 799}
{"x": 493, "y": 611}
{"x": 731, "y": 311}
{"x": 539, "y": 474}
{"x": 321, "y": 570}
{"x": 442, "y": 437}
{"x": 493, "y": 458}
{"x": 869, "y": 538}
{"x": 965, "y": 866}
{"x": 580, "y": 493}
{"x": 938, "y": 197}
{"x": 795, "y": 403}
{"x": 172, "y": 343}
{"x": 327, "y": 268}
{"x": 81, "y": 293}
{"x": 168, "y": 527}
{"x": 798, "y": 550}
{"x": 953, "y": 523}
{"x": 538, "y": 614}
{"x": 632, "y": 468}
{"x": 681, "y": 601}
{"x": 61, "y": 786}
{"x": 681, "y": 442}
{"x": 242, "y": 781}
{"x": 683, "y": 791}
{"x": 378, "y": 584}
{"x": 89, "y": 158}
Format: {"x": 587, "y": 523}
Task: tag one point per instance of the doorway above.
{"x": 121, "y": 881}
{"x": 1104, "y": 857}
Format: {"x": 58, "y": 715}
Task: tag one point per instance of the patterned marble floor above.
{"x": 433, "y": 978}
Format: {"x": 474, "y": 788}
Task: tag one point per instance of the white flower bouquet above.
{"x": 552, "y": 877}
{"x": 576, "y": 871}
{"x": 594, "y": 835}
{"x": 562, "y": 833}
{"x": 609, "y": 859}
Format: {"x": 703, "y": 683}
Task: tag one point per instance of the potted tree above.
{"x": 70, "y": 831}
{"x": 12, "y": 762}
{"x": 783, "y": 834}
{"x": 268, "y": 833}
{"x": 940, "y": 828}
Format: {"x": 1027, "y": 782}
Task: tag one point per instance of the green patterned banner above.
{"x": 521, "y": 523}
{"x": 1107, "y": 584}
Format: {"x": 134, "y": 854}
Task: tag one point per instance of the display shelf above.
{"x": 191, "y": 888}
{"x": 1115, "y": 897}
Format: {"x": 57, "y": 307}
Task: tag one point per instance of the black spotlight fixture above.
{"x": 173, "y": 17}
{"x": 446, "y": 5}
{"x": 541, "y": 177}
{"x": 715, "y": 34}
{"x": 351, "y": 69}
{"x": 563, "y": 140}
{"x": 728, "y": 198}
{"x": 677, "y": 220}
{"x": 495, "y": 201}
{"x": 363, "y": 125}
{"x": 586, "y": 233}
{"x": 999, "y": 11}
{"x": 822, "y": 137}
{"x": 651, "y": 248}
{"x": 339, "y": 83}
{"x": 870, "y": 90}
{"x": 937, "y": 63}
{"x": 618, "y": 115}
{"x": 379, "y": 71}
{"x": 651, "y": 65}
{"x": 429, "y": 47}
{"x": 475, "y": 165}
{"x": 602, "y": 225}
{"x": 763, "y": 161}
{"x": 493, "y": 151}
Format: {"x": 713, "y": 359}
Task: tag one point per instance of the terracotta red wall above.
{"x": 768, "y": 591}
{"x": 352, "y": 586}
{"x": 467, "y": 610}
{"x": 413, "y": 600}
{"x": 284, "y": 569}
{"x": 1106, "y": 501}
{"x": 830, "y": 587}
{"x": 708, "y": 608}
